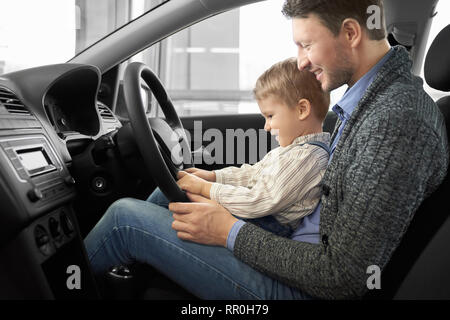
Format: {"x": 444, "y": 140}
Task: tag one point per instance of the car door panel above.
{"x": 227, "y": 140}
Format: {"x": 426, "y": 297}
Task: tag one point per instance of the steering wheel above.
{"x": 162, "y": 142}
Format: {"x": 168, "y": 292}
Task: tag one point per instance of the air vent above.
{"x": 105, "y": 113}
{"x": 11, "y": 103}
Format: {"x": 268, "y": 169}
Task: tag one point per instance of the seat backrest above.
{"x": 419, "y": 268}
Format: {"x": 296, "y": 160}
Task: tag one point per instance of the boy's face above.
{"x": 321, "y": 53}
{"x": 281, "y": 121}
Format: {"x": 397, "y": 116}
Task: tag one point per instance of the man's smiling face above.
{"x": 322, "y": 53}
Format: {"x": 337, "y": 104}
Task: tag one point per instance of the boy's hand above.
{"x": 204, "y": 174}
{"x": 193, "y": 184}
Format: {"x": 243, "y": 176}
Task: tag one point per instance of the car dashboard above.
{"x": 43, "y": 110}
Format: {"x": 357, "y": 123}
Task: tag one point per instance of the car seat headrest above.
{"x": 437, "y": 62}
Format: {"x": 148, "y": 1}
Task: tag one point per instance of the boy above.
{"x": 278, "y": 191}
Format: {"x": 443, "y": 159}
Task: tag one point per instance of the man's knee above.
{"x": 118, "y": 209}
{"x": 122, "y": 204}
{"x": 129, "y": 211}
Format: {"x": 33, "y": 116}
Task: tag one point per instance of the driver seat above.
{"x": 419, "y": 267}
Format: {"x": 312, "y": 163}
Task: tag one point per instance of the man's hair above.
{"x": 286, "y": 82}
{"x": 333, "y": 12}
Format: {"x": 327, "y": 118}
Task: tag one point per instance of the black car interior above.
{"x": 65, "y": 156}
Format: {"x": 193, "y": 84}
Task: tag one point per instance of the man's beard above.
{"x": 342, "y": 74}
{"x": 338, "y": 78}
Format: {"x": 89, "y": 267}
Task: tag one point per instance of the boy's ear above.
{"x": 303, "y": 109}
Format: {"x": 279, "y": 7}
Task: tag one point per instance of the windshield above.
{"x": 34, "y": 33}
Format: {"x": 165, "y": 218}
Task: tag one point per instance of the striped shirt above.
{"x": 286, "y": 183}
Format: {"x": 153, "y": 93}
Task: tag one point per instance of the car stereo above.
{"x": 35, "y": 160}
{"x": 38, "y": 171}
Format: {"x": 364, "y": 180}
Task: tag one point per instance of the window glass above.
{"x": 211, "y": 67}
{"x": 40, "y": 32}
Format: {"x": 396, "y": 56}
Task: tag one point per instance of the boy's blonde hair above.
{"x": 284, "y": 81}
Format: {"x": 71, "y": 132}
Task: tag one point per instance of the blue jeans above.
{"x": 141, "y": 231}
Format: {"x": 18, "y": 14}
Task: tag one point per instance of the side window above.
{"x": 211, "y": 67}
{"x": 79, "y": 24}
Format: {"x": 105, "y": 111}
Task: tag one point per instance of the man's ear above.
{"x": 352, "y": 32}
{"x": 303, "y": 109}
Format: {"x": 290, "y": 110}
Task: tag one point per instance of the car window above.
{"x": 212, "y": 66}
{"x": 34, "y": 33}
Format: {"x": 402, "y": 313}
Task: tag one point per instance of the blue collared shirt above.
{"x": 308, "y": 230}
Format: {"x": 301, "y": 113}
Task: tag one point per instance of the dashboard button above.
{"x": 34, "y": 194}
{"x": 67, "y": 224}
{"x": 69, "y": 181}
{"x": 55, "y": 229}
{"x": 42, "y": 239}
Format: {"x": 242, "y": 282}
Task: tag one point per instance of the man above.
{"x": 389, "y": 152}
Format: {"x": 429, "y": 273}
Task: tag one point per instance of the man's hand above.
{"x": 204, "y": 174}
{"x": 193, "y": 184}
{"x": 202, "y": 220}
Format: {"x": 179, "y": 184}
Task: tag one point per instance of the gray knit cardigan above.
{"x": 392, "y": 154}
